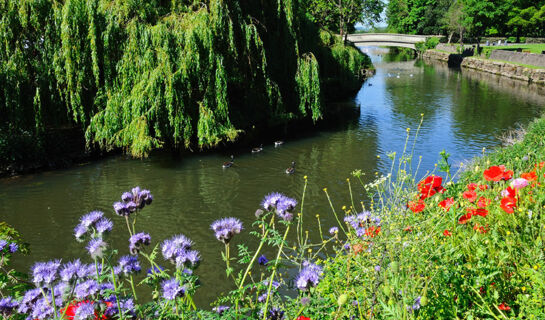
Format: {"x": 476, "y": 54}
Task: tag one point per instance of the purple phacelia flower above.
{"x": 333, "y": 231}
{"x": 146, "y": 197}
{"x": 262, "y": 260}
{"x": 172, "y": 289}
{"x": 177, "y": 251}
{"x": 104, "y": 225}
{"x": 377, "y": 268}
{"x": 362, "y": 221}
{"x": 13, "y": 247}
{"x": 120, "y": 209}
{"x": 69, "y": 270}
{"x": 226, "y": 228}
{"x": 45, "y": 272}
{"x": 79, "y": 231}
{"x": 42, "y": 310}
{"x": 28, "y": 301}
{"x": 220, "y": 309}
{"x": 7, "y": 306}
{"x": 86, "y": 289}
{"x": 3, "y": 244}
{"x": 309, "y": 276}
{"x": 127, "y": 196}
{"x": 91, "y": 218}
{"x": 129, "y": 264}
{"x": 137, "y": 241}
{"x": 281, "y": 204}
{"x": 96, "y": 248}
{"x": 86, "y": 310}
{"x": 270, "y": 200}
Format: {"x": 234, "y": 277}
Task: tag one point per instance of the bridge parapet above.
{"x": 387, "y": 39}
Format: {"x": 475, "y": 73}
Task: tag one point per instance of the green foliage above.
{"x": 12, "y": 282}
{"x": 141, "y": 75}
{"x": 341, "y": 16}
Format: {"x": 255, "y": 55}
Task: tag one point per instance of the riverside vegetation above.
{"x": 450, "y": 245}
{"x": 141, "y": 75}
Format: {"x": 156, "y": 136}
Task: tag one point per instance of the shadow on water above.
{"x": 463, "y": 112}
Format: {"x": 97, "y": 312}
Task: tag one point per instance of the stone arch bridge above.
{"x": 386, "y": 39}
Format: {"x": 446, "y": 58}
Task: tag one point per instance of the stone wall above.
{"x": 505, "y": 69}
{"x": 519, "y": 57}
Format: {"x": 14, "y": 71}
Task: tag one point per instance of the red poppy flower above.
{"x": 446, "y": 204}
{"x": 510, "y": 192}
{"x": 483, "y": 202}
{"x": 504, "y": 307}
{"x": 430, "y": 186}
{"x": 472, "y": 186}
{"x": 447, "y": 233}
{"x": 508, "y": 203}
{"x": 483, "y": 187}
{"x": 408, "y": 229}
{"x": 540, "y": 165}
{"x": 416, "y": 206}
{"x": 477, "y": 212}
{"x": 372, "y": 231}
{"x": 471, "y": 196}
{"x": 530, "y": 176}
{"x": 493, "y": 173}
{"x": 303, "y": 318}
{"x": 465, "y": 218}
{"x": 497, "y": 173}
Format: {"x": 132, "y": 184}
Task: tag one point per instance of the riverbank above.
{"x": 511, "y": 70}
{"x": 469, "y": 246}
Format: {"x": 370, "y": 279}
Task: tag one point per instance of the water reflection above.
{"x": 463, "y": 111}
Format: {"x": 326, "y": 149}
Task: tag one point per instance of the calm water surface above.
{"x": 464, "y": 112}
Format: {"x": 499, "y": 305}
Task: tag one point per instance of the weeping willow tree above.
{"x": 143, "y": 74}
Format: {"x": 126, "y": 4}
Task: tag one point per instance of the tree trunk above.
{"x": 341, "y": 20}
{"x": 451, "y": 34}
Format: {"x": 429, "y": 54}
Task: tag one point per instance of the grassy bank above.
{"x": 450, "y": 245}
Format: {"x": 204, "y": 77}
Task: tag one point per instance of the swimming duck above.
{"x": 291, "y": 170}
{"x": 278, "y": 143}
{"x": 256, "y": 150}
{"x": 229, "y": 164}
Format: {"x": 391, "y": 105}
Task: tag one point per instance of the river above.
{"x": 464, "y": 112}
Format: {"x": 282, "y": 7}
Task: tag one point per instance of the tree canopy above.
{"x": 142, "y": 74}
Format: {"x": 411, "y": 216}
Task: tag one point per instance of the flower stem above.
{"x": 132, "y": 286}
{"x": 116, "y": 296}
{"x": 128, "y": 225}
{"x": 274, "y": 272}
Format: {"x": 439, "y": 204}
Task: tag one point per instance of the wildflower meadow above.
{"x": 442, "y": 245}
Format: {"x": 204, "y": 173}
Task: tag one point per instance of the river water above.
{"x": 464, "y": 112}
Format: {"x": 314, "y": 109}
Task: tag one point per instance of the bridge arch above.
{"x": 386, "y": 39}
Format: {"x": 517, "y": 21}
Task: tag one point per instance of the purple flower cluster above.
{"x": 72, "y": 271}
{"x": 11, "y": 246}
{"x": 127, "y": 307}
{"x": 178, "y": 251}
{"x": 172, "y": 289}
{"x": 280, "y": 203}
{"x": 128, "y": 265}
{"x": 226, "y": 228}
{"x": 309, "y": 276}
{"x": 85, "y": 289}
{"x": 86, "y": 310}
{"x": 137, "y": 241}
{"x": 7, "y": 306}
{"x": 333, "y": 231}
{"x": 45, "y": 273}
{"x": 132, "y": 201}
{"x": 361, "y": 221}
{"x": 96, "y": 248}
{"x": 275, "y": 314}
{"x": 93, "y": 223}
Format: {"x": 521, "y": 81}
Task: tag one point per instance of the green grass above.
{"x": 533, "y": 48}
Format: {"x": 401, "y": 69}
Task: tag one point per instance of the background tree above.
{"x": 453, "y": 20}
{"x": 342, "y": 15}
{"x": 416, "y": 16}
